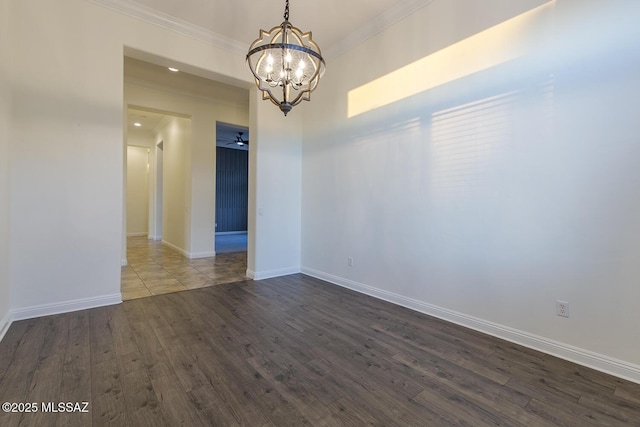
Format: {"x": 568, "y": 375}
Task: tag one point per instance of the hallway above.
{"x": 155, "y": 269}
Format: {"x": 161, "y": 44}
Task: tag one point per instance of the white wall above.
{"x": 137, "y": 191}
{"x": 485, "y": 199}
{"x": 176, "y": 134}
{"x": 156, "y": 189}
{"x": 67, "y": 151}
{"x": 274, "y": 218}
{"x": 5, "y": 135}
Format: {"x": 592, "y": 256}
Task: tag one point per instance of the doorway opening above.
{"x": 177, "y": 252}
{"x": 232, "y": 188}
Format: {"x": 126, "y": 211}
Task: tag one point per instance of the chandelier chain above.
{"x": 286, "y": 11}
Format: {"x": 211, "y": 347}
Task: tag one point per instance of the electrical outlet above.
{"x": 562, "y": 308}
{"x": 350, "y": 261}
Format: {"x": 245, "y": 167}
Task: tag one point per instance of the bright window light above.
{"x": 499, "y": 44}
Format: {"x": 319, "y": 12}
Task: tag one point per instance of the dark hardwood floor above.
{"x": 291, "y": 351}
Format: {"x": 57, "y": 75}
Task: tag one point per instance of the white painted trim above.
{"x": 174, "y": 247}
{"x": 65, "y": 306}
{"x": 5, "y": 324}
{"x": 123, "y": 262}
{"x": 600, "y": 362}
{"x": 137, "y": 234}
{"x": 194, "y": 255}
{"x": 155, "y": 17}
{"x": 190, "y": 255}
{"x": 393, "y": 15}
{"x": 261, "y": 275}
{"x": 152, "y": 237}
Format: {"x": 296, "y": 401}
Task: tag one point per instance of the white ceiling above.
{"x": 337, "y": 25}
{"x": 148, "y": 119}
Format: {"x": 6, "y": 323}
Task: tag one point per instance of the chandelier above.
{"x": 286, "y": 63}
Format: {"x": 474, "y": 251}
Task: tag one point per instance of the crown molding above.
{"x": 383, "y": 21}
{"x": 380, "y": 23}
{"x": 163, "y": 20}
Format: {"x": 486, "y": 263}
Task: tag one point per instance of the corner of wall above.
{"x": 268, "y": 274}
{"x": 6, "y": 116}
{"x": 5, "y": 324}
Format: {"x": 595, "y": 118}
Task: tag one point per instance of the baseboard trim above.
{"x": 190, "y": 255}
{"x": 194, "y": 255}
{"x": 65, "y": 306}
{"x": 174, "y": 247}
{"x": 268, "y": 274}
{"x": 152, "y": 237}
{"x": 5, "y": 324}
{"x": 599, "y": 362}
{"x": 123, "y": 262}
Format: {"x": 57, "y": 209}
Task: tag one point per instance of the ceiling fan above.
{"x": 239, "y": 140}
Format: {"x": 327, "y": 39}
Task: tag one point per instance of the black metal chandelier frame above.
{"x": 271, "y": 58}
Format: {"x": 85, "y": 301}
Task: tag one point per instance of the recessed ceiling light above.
{"x": 136, "y": 124}
{"x": 175, "y": 70}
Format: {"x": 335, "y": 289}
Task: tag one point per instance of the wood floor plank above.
{"x": 487, "y": 399}
{"x": 107, "y": 404}
{"x": 186, "y": 354}
{"x": 629, "y": 392}
{"x": 292, "y": 351}
{"x": 293, "y": 381}
{"x": 46, "y": 380}
{"x": 376, "y": 388}
{"x": 613, "y": 407}
{"x": 463, "y": 380}
{"x": 9, "y": 345}
{"x": 446, "y": 350}
{"x": 76, "y": 369}
{"x": 571, "y": 414}
{"x": 297, "y": 406}
{"x": 346, "y": 412}
{"x": 16, "y": 382}
{"x": 228, "y": 387}
{"x": 172, "y": 400}
{"x": 143, "y": 407}
{"x": 383, "y": 407}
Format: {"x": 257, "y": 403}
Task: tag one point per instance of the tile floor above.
{"x": 155, "y": 269}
